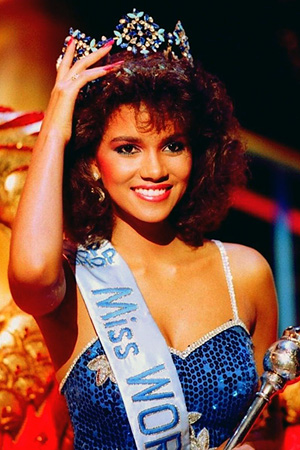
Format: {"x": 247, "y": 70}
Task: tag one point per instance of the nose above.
{"x": 153, "y": 167}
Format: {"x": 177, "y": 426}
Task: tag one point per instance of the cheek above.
{"x": 109, "y": 171}
{"x": 187, "y": 173}
{"x": 113, "y": 171}
{"x": 106, "y": 168}
{"x": 184, "y": 171}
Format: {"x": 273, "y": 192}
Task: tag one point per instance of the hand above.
{"x": 69, "y": 80}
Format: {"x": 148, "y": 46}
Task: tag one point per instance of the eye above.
{"x": 175, "y": 147}
{"x": 126, "y": 149}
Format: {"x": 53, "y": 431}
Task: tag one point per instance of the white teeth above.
{"x": 151, "y": 192}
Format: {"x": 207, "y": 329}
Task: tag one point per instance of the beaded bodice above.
{"x": 218, "y": 377}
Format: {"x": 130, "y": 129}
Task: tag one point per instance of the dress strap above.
{"x": 228, "y": 275}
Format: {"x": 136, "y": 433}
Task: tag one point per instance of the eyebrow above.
{"x": 126, "y": 138}
{"x": 136, "y": 140}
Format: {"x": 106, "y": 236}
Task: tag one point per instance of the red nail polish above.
{"x": 70, "y": 40}
{"x": 108, "y": 43}
{"x": 115, "y": 64}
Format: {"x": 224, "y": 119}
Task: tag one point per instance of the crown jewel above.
{"x": 138, "y": 33}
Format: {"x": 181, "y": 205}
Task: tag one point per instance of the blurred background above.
{"x": 253, "y": 46}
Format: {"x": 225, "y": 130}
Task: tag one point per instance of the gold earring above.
{"x": 98, "y": 191}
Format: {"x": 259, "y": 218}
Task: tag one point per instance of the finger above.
{"x": 65, "y": 60}
{"x": 80, "y": 79}
{"x": 101, "y": 71}
{"x": 87, "y": 61}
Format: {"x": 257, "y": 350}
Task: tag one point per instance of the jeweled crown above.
{"x": 138, "y": 33}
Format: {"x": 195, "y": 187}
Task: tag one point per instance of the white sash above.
{"x": 137, "y": 351}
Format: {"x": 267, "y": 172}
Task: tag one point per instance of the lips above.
{"x": 158, "y": 193}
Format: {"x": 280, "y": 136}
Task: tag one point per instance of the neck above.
{"x": 142, "y": 236}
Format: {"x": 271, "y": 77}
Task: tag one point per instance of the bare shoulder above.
{"x": 247, "y": 262}
{"x": 253, "y": 279}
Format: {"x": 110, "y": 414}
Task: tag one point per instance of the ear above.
{"x": 95, "y": 170}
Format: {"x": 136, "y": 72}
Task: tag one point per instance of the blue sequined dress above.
{"x": 218, "y": 377}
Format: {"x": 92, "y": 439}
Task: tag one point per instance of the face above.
{"x": 145, "y": 172}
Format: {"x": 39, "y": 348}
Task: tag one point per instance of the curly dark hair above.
{"x": 173, "y": 90}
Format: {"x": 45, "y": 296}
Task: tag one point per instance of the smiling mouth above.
{"x": 153, "y": 193}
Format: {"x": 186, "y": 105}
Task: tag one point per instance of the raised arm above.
{"x": 35, "y": 272}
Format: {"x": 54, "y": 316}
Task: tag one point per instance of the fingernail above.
{"x": 115, "y": 64}
{"x": 108, "y": 43}
{"x": 70, "y": 40}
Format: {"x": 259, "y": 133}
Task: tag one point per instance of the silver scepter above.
{"x": 281, "y": 365}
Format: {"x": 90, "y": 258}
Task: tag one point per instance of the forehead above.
{"x": 139, "y": 119}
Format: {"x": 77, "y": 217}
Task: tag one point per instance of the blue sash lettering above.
{"x": 124, "y": 331}
{"x": 157, "y": 383}
{"x": 147, "y": 428}
{"x": 123, "y": 354}
{"x": 91, "y": 258}
{"x": 159, "y": 418}
{"x": 161, "y": 444}
{"x": 114, "y": 323}
{"x": 122, "y": 307}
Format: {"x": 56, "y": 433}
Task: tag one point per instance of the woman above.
{"x": 156, "y": 333}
